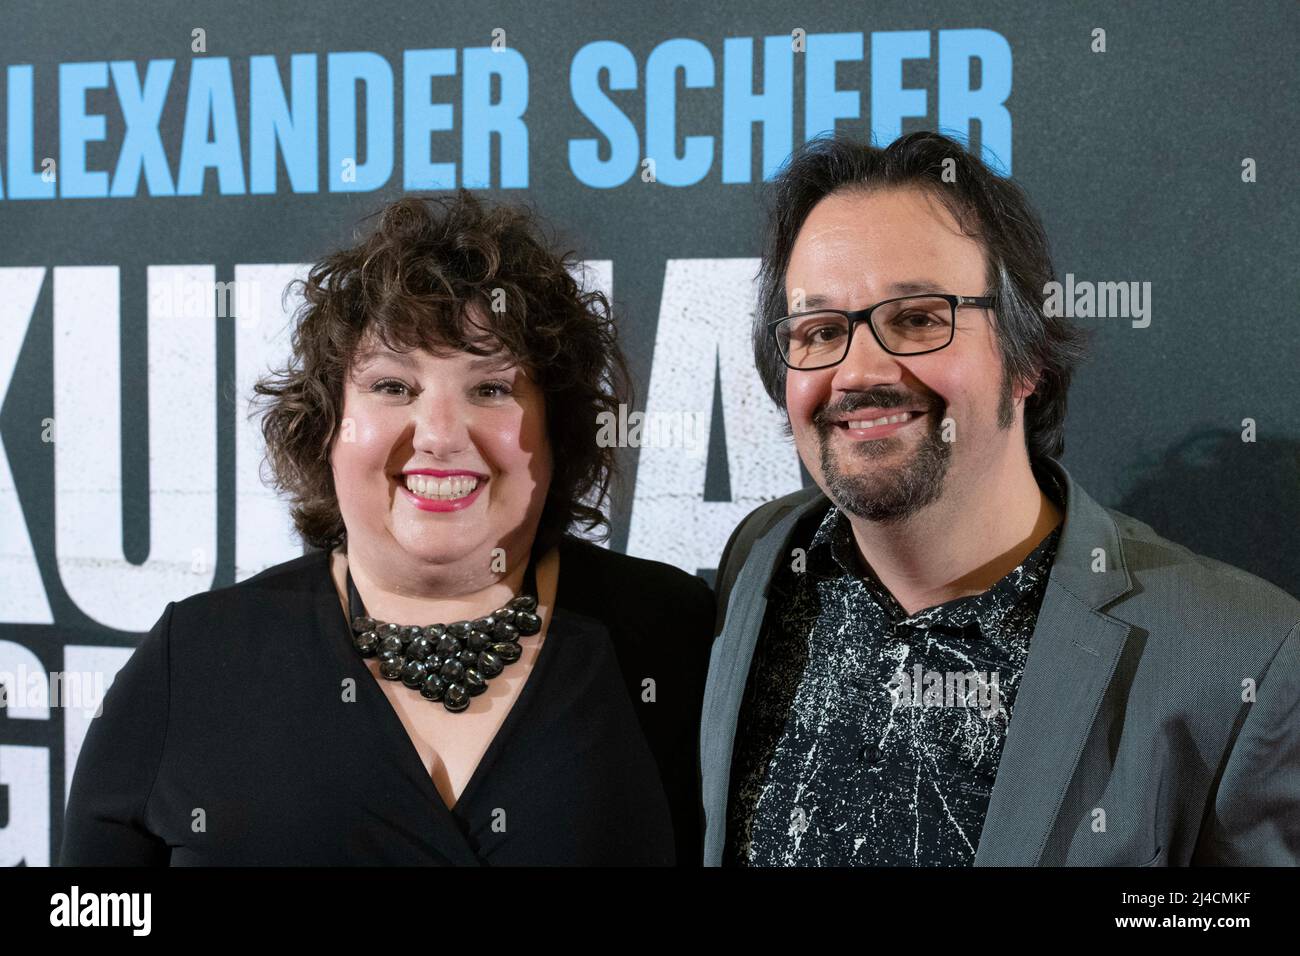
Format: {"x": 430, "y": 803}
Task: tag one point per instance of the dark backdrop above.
{"x": 1134, "y": 156}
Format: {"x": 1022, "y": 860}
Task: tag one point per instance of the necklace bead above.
{"x": 447, "y": 663}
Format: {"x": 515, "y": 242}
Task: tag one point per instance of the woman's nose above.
{"x": 441, "y": 427}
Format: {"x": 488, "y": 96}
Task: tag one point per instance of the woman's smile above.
{"x": 433, "y": 490}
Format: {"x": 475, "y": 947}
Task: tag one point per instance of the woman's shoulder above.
{"x": 660, "y": 621}
{"x": 588, "y": 560}
{"x": 610, "y": 584}
{"x": 282, "y": 588}
{"x": 295, "y": 570}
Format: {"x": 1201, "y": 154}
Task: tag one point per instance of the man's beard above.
{"x": 888, "y": 493}
{"x": 895, "y": 493}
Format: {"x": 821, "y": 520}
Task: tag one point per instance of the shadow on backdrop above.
{"x": 1231, "y": 500}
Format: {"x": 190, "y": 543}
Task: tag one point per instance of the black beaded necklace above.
{"x": 447, "y": 662}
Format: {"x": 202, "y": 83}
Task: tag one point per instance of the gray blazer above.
{"x": 1132, "y": 741}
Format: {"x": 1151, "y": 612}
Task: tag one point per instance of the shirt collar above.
{"x": 832, "y": 553}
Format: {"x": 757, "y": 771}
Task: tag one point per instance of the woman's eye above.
{"x": 384, "y": 386}
{"x": 494, "y": 389}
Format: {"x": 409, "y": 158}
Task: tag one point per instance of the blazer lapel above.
{"x": 729, "y": 664}
{"x": 1072, "y": 655}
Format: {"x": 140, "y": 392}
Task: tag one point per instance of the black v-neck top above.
{"x": 246, "y": 730}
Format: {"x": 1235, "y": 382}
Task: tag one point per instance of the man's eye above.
{"x": 823, "y": 333}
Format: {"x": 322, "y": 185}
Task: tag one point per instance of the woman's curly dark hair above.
{"x": 410, "y": 283}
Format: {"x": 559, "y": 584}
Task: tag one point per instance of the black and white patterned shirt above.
{"x": 870, "y": 737}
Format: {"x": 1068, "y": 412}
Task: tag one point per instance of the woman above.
{"x": 452, "y": 678}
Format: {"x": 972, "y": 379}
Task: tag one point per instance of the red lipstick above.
{"x": 439, "y": 504}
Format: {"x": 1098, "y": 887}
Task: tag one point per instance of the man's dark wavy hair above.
{"x": 989, "y": 208}
{"x": 409, "y": 284}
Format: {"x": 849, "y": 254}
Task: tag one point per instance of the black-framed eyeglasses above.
{"x": 907, "y": 325}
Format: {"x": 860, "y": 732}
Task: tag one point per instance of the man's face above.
{"x": 856, "y": 249}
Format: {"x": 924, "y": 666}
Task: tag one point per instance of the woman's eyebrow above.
{"x": 497, "y": 360}
{"x": 374, "y": 355}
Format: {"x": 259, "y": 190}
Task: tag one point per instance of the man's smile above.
{"x": 868, "y": 425}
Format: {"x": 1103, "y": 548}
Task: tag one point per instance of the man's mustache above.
{"x": 883, "y": 401}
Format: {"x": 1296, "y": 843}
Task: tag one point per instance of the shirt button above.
{"x": 869, "y": 754}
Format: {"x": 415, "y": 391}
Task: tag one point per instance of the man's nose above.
{"x": 867, "y": 363}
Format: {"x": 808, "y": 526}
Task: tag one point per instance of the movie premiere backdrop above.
{"x": 167, "y": 169}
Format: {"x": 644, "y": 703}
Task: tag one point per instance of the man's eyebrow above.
{"x": 819, "y": 301}
{"x": 915, "y": 285}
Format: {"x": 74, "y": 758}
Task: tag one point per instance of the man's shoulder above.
{"x": 1194, "y": 584}
{"x": 754, "y": 526}
{"x": 762, "y": 518}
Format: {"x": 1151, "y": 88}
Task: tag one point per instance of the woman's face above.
{"x": 439, "y": 460}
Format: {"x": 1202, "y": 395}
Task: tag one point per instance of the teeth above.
{"x": 887, "y": 420}
{"x": 441, "y": 489}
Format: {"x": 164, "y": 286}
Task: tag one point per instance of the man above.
{"x": 946, "y": 653}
